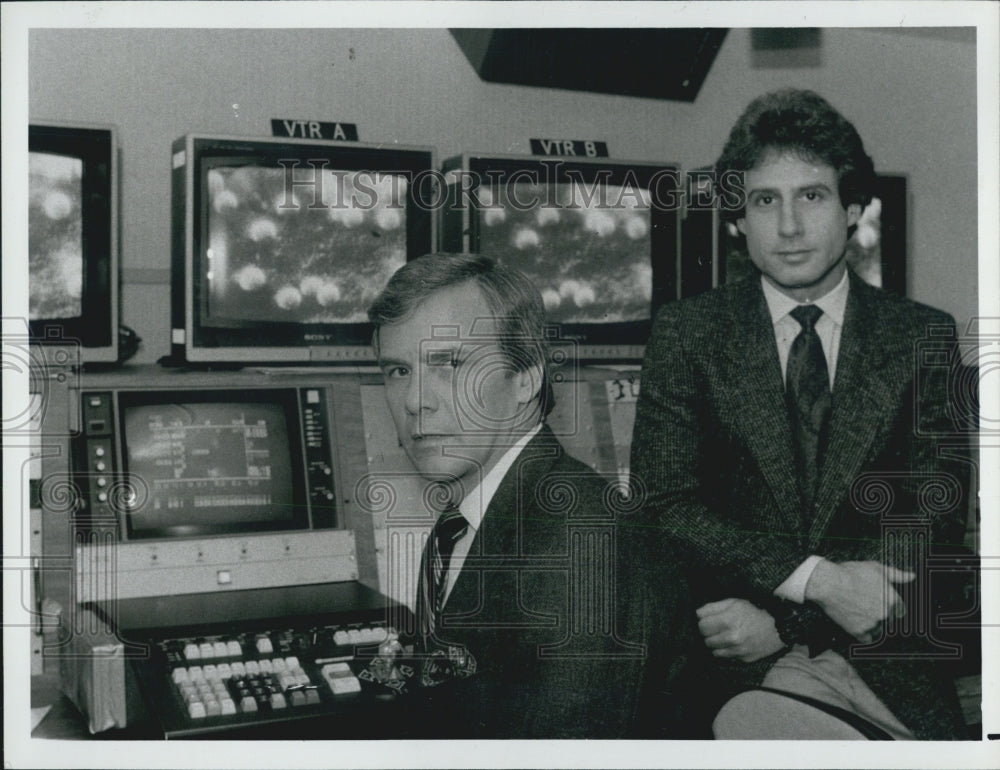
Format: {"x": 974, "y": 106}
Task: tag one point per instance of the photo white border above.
{"x": 18, "y": 18}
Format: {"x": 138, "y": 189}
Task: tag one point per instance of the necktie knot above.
{"x": 807, "y": 316}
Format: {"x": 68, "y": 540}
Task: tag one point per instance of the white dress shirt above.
{"x": 828, "y": 328}
{"x": 474, "y": 505}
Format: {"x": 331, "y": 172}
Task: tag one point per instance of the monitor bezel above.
{"x": 95, "y": 331}
{"x": 264, "y": 342}
{"x": 286, "y": 398}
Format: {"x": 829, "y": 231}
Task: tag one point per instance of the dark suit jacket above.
{"x": 567, "y": 644}
{"x": 712, "y": 449}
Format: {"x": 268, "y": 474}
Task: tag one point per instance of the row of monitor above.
{"x": 280, "y": 245}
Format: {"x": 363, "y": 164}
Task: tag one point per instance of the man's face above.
{"x": 795, "y": 226}
{"x": 455, "y": 400}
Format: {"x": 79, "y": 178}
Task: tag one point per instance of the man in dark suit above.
{"x": 785, "y": 441}
{"x": 524, "y": 627}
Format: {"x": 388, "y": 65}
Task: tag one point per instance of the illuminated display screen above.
{"x": 204, "y": 467}
{"x": 317, "y": 251}
{"x": 55, "y": 236}
{"x": 586, "y": 247}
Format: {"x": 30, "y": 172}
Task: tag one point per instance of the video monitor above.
{"x": 211, "y": 463}
{"x": 598, "y": 238}
{"x": 280, "y": 246}
{"x": 73, "y": 291}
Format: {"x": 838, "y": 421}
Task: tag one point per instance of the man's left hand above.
{"x": 736, "y": 628}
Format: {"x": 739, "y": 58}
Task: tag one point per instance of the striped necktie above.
{"x": 808, "y": 394}
{"x": 433, "y": 580}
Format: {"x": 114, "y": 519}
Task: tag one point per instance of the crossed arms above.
{"x": 703, "y": 489}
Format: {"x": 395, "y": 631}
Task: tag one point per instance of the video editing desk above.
{"x": 270, "y": 663}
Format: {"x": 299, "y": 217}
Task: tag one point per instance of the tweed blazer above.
{"x": 569, "y": 641}
{"x": 712, "y": 453}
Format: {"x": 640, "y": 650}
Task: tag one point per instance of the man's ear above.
{"x": 853, "y": 214}
{"x": 741, "y": 225}
{"x": 529, "y": 383}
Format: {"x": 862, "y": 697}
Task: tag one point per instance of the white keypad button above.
{"x": 342, "y": 685}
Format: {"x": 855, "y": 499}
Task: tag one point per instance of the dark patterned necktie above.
{"x": 808, "y": 394}
{"x": 433, "y": 580}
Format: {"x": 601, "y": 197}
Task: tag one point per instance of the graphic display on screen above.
{"x": 209, "y": 467}
{"x": 55, "y": 236}
{"x": 302, "y": 253}
{"x": 586, "y": 247}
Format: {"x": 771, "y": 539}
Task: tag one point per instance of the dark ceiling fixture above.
{"x": 651, "y": 63}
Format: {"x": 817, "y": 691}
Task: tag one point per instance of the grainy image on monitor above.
{"x": 55, "y": 239}
{"x": 864, "y": 249}
{"x": 301, "y": 253}
{"x": 586, "y": 247}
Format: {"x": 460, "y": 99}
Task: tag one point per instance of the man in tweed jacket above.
{"x": 804, "y": 598}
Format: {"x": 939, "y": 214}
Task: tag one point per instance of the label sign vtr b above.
{"x": 572, "y": 148}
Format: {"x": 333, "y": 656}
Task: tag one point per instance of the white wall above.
{"x": 911, "y": 94}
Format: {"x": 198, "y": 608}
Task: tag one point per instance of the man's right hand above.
{"x": 857, "y": 595}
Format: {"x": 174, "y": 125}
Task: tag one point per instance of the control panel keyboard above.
{"x": 229, "y": 680}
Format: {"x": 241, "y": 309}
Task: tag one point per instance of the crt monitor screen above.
{"x": 211, "y": 463}
{"x": 598, "y": 238}
{"x": 72, "y": 237}
{"x": 55, "y": 236}
{"x": 281, "y": 245}
{"x": 587, "y": 250}
{"x": 302, "y": 254}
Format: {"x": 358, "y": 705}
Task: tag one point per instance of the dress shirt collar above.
{"x": 833, "y": 303}
{"x": 475, "y": 503}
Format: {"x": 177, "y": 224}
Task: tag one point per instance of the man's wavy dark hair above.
{"x": 802, "y": 122}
